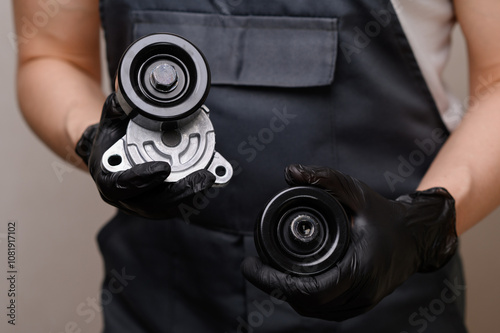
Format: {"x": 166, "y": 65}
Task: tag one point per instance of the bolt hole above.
{"x": 305, "y": 228}
{"x": 114, "y": 160}
{"x": 220, "y": 171}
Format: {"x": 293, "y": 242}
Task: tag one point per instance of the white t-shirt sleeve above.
{"x": 428, "y": 26}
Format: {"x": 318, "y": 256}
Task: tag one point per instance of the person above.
{"x": 352, "y": 87}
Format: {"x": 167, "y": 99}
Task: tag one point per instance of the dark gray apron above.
{"x": 331, "y": 83}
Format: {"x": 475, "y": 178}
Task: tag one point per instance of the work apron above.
{"x": 331, "y": 83}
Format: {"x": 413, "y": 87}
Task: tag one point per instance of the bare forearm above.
{"x": 58, "y": 101}
{"x": 468, "y": 164}
{"x": 59, "y": 72}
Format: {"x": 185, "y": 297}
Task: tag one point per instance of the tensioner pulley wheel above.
{"x": 303, "y": 231}
{"x": 162, "y": 78}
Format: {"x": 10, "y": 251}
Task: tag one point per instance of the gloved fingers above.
{"x": 264, "y": 277}
{"x": 112, "y": 127}
{"x": 112, "y": 109}
{"x": 193, "y": 183}
{"x": 133, "y": 182}
{"x": 436, "y": 199}
{"x": 84, "y": 145}
{"x": 349, "y": 191}
{"x": 150, "y": 196}
{"x": 341, "y": 296}
{"x": 301, "y": 290}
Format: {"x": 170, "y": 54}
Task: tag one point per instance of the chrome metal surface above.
{"x": 188, "y": 148}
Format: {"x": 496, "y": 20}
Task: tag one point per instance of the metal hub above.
{"x": 164, "y": 77}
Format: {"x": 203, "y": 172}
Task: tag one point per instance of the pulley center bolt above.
{"x": 304, "y": 228}
{"x": 164, "y": 77}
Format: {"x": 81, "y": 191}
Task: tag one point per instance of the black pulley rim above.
{"x": 146, "y": 94}
{"x": 303, "y": 231}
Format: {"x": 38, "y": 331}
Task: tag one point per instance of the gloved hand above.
{"x": 140, "y": 190}
{"x": 390, "y": 241}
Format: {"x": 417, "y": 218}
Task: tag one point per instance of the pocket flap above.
{"x": 254, "y": 50}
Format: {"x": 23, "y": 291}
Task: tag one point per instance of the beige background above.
{"x": 58, "y": 213}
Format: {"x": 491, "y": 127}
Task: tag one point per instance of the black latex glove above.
{"x": 140, "y": 190}
{"x": 390, "y": 241}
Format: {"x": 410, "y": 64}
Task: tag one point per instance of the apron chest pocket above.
{"x": 265, "y": 51}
